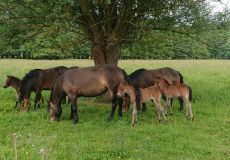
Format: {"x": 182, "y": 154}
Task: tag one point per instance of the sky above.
{"x": 219, "y": 6}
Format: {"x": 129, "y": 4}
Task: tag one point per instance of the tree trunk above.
{"x": 103, "y": 54}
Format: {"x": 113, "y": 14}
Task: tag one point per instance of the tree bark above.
{"x": 105, "y": 54}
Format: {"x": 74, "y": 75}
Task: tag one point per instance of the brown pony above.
{"x": 180, "y": 90}
{"x": 143, "y": 78}
{"x": 37, "y": 80}
{"x": 87, "y": 82}
{"x": 14, "y": 82}
{"x": 150, "y": 93}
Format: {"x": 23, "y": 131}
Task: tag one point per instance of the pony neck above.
{"x": 15, "y": 83}
{"x": 56, "y": 96}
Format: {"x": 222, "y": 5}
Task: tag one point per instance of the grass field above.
{"x": 207, "y": 137}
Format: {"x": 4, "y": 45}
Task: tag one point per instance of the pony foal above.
{"x": 151, "y": 93}
{"x": 180, "y": 90}
{"x": 14, "y": 82}
{"x": 143, "y": 78}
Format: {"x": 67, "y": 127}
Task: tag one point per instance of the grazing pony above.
{"x": 37, "y": 80}
{"x": 180, "y": 90}
{"x": 150, "y": 93}
{"x": 87, "y": 82}
{"x": 14, "y": 82}
{"x": 143, "y": 78}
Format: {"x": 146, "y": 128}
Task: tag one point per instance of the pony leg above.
{"x": 134, "y": 115}
{"x": 16, "y": 104}
{"x": 160, "y": 109}
{"x": 39, "y": 99}
{"x": 74, "y": 109}
{"x": 186, "y": 106}
{"x": 64, "y": 100}
{"x": 42, "y": 99}
{"x": 167, "y": 105}
{"x": 36, "y": 101}
{"x": 120, "y": 102}
{"x": 59, "y": 111}
{"x": 171, "y": 103}
{"x": 114, "y": 105}
{"x": 181, "y": 103}
{"x": 17, "y": 100}
{"x": 190, "y": 110}
{"x": 71, "y": 113}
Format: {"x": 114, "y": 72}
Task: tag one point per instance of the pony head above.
{"x": 161, "y": 82}
{"x": 7, "y": 82}
{"x": 122, "y": 89}
{"x": 53, "y": 111}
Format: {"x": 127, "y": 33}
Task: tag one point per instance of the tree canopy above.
{"x": 107, "y": 30}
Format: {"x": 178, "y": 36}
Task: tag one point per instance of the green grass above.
{"x": 207, "y": 137}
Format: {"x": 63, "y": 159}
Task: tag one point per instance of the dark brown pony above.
{"x": 87, "y": 82}
{"x": 14, "y": 82}
{"x": 143, "y": 78}
{"x": 37, "y": 80}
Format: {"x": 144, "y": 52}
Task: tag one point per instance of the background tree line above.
{"x": 51, "y": 30}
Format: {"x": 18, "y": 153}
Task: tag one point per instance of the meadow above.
{"x": 207, "y": 137}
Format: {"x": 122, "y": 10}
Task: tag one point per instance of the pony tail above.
{"x": 20, "y": 97}
{"x": 138, "y": 97}
{"x": 190, "y": 93}
{"x": 181, "y": 78}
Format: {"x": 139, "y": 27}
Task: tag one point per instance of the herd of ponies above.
{"x": 70, "y": 83}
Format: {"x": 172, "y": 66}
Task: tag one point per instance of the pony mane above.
{"x": 27, "y": 80}
{"x": 60, "y": 69}
{"x": 136, "y": 73}
{"x": 13, "y": 77}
